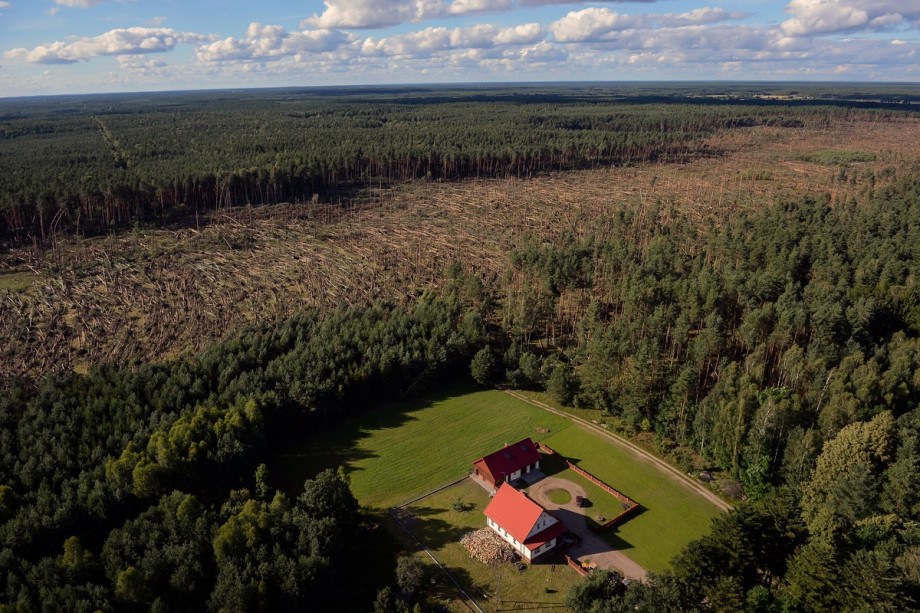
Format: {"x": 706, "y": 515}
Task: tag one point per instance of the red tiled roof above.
{"x": 513, "y": 511}
{"x": 510, "y": 459}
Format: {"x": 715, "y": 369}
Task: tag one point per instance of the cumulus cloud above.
{"x": 830, "y": 16}
{"x": 143, "y": 66}
{"x": 265, "y": 42}
{"x": 4, "y": 4}
{"x": 383, "y": 13}
{"x": 371, "y": 13}
{"x": 124, "y": 41}
{"x": 432, "y": 40}
{"x": 598, "y": 24}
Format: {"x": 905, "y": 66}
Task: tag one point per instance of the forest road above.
{"x": 632, "y": 448}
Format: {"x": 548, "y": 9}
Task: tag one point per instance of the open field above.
{"x": 439, "y": 526}
{"x": 407, "y": 449}
{"x": 156, "y": 294}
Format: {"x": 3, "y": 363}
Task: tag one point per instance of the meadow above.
{"x": 407, "y": 449}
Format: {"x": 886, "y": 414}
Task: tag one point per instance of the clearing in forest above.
{"x": 405, "y": 450}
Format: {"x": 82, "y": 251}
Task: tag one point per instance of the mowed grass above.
{"x": 539, "y": 587}
{"x": 403, "y": 450}
{"x": 671, "y": 514}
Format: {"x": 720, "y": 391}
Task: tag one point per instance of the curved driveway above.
{"x": 592, "y": 547}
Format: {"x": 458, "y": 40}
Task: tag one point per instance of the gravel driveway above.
{"x": 592, "y": 547}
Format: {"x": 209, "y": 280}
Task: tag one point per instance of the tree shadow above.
{"x": 431, "y": 530}
{"x": 298, "y": 458}
{"x": 551, "y": 465}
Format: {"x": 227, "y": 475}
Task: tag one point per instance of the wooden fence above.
{"x": 631, "y": 505}
{"x": 574, "y": 564}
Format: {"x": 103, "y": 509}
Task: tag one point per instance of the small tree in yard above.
{"x": 483, "y": 367}
{"x": 409, "y": 574}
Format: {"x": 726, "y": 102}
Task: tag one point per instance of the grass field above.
{"x": 670, "y": 516}
{"x": 407, "y": 449}
{"x": 539, "y": 587}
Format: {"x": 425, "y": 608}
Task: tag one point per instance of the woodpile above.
{"x": 486, "y": 546}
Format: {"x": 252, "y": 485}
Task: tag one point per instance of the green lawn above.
{"x": 559, "y": 496}
{"x": 407, "y": 449}
{"x": 439, "y": 526}
{"x": 670, "y": 514}
{"x": 601, "y": 504}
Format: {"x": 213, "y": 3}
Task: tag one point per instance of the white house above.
{"x": 523, "y": 523}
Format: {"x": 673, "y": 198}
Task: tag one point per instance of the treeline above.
{"x": 752, "y": 341}
{"x": 94, "y": 164}
{"x": 150, "y": 487}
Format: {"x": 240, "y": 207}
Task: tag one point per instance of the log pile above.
{"x": 486, "y": 546}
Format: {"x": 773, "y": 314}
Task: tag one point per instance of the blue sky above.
{"x": 76, "y": 46}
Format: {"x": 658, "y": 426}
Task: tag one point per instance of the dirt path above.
{"x": 637, "y": 451}
{"x": 592, "y": 547}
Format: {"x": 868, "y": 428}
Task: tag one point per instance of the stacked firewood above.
{"x": 486, "y": 546}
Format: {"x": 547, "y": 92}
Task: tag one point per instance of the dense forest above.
{"x": 93, "y": 164}
{"x": 779, "y": 342}
{"x": 150, "y": 488}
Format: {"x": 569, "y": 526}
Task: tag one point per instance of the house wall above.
{"x": 518, "y": 547}
{"x": 539, "y": 551}
{"x": 543, "y": 522}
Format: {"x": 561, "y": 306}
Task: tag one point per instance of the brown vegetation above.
{"x": 155, "y": 294}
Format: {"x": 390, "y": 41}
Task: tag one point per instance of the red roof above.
{"x": 517, "y": 514}
{"x": 510, "y": 459}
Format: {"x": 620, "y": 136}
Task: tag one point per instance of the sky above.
{"x": 84, "y": 46}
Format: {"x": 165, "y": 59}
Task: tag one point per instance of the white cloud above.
{"x": 125, "y": 41}
{"x": 544, "y": 52}
{"x": 461, "y": 7}
{"x": 382, "y": 13}
{"x": 598, "y": 24}
{"x": 371, "y": 13}
{"x": 520, "y": 35}
{"x": 142, "y": 66}
{"x": 829, "y": 16}
{"x": 592, "y": 24}
{"x": 4, "y": 5}
{"x": 265, "y": 42}
{"x": 432, "y": 40}
{"x": 80, "y": 4}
